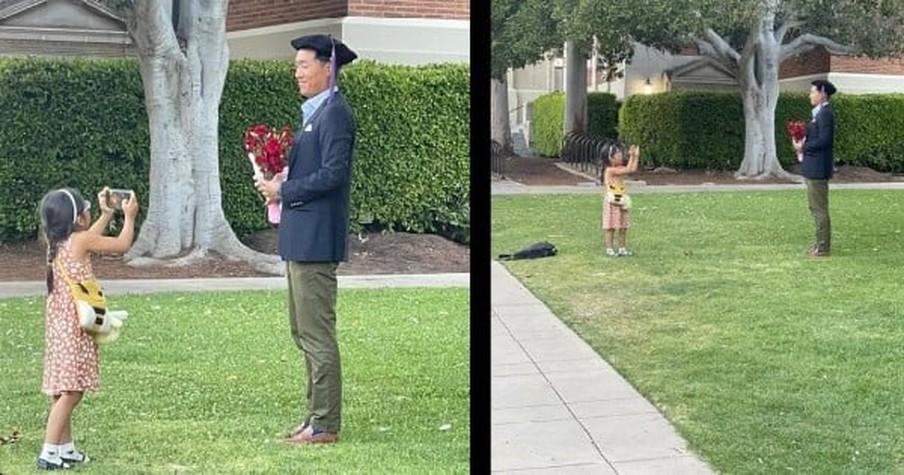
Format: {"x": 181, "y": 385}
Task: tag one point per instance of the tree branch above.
{"x": 707, "y": 49}
{"x": 721, "y": 46}
{"x": 151, "y": 29}
{"x": 213, "y": 48}
{"x": 807, "y": 41}
{"x": 783, "y": 30}
{"x": 747, "y": 55}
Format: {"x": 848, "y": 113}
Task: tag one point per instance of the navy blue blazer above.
{"x": 818, "y": 150}
{"x": 315, "y": 196}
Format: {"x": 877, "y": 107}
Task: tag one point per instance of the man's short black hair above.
{"x": 824, "y": 86}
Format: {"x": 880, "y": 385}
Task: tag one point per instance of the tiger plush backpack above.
{"x": 91, "y": 305}
{"x": 617, "y": 194}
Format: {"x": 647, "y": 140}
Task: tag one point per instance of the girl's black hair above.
{"x": 606, "y": 152}
{"x": 58, "y": 222}
{"x": 614, "y": 148}
{"x": 609, "y": 150}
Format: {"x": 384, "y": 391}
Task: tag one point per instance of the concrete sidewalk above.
{"x": 557, "y": 407}
{"x": 119, "y": 287}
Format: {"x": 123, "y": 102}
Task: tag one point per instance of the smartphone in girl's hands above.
{"x": 116, "y": 196}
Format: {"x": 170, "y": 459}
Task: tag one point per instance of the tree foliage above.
{"x": 521, "y": 32}
{"x": 870, "y": 28}
{"x": 867, "y": 27}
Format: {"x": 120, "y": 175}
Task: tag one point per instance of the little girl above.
{"x": 70, "y": 354}
{"x": 616, "y": 200}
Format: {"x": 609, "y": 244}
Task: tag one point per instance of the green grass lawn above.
{"x": 767, "y": 361}
{"x": 209, "y": 383}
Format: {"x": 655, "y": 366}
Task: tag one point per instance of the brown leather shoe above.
{"x": 307, "y": 437}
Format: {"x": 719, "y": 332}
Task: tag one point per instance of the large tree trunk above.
{"x": 500, "y": 128}
{"x": 183, "y": 77}
{"x": 759, "y": 99}
{"x": 575, "y": 119}
{"x": 758, "y": 78}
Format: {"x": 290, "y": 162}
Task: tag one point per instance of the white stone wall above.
{"x": 848, "y": 83}
{"x": 407, "y": 41}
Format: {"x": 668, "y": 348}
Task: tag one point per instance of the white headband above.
{"x": 74, "y": 206}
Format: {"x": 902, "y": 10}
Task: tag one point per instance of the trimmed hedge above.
{"x": 706, "y": 130}
{"x": 82, "y": 123}
{"x": 685, "y": 130}
{"x": 870, "y": 131}
{"x": 547, "y": 123}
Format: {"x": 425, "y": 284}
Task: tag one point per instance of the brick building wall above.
{"x": 845, "y": 64}
{"x": 444, "y": 9}
{"x": 819, "y": 61}
{"x": 246, "y": 14}
{"x": 815, "y": 61}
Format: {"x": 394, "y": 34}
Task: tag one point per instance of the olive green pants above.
{"x": 312, "y": 318}
{"x": 818, "y": 196}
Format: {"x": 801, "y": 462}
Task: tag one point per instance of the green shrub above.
{"x": 83, "y": 124}
{"x": 685, "y": 129}
{"x": 707, "y": 130}
{"x": 870, "y": 130}
{"x": 547, "y": 122}
{"x": 80, "y": 124}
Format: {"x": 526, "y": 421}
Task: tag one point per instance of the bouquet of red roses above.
{"x": 797, "y": 129}
{"x": 267, "y": 149}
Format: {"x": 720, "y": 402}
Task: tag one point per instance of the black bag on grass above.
{"x": 534, "y": 251}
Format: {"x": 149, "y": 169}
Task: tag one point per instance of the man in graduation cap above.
{"x": 314, "y": 227}
{"x": 818, "y": 163}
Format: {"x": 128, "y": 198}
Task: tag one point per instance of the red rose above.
{"x": 272, "y": 147}
{"x": 260, "y": 130}
{"x": 796, "y": 129}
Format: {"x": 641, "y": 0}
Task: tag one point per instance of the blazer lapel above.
{"x": 293, "y": 154}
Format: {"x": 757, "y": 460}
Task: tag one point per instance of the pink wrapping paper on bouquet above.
{"x": 274, "y": 208}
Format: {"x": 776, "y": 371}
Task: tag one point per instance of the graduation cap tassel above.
{"x": 332, "y": 69}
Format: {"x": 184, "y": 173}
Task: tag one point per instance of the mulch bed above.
{"x": 543, "y": 171}
{"x": 396, "y": 253}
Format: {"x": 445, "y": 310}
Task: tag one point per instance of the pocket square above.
{"x": 308, "y": 128}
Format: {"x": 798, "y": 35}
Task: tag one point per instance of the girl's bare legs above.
{"x": 59, "y": 423}
{"x": 623, "y": 238}
{"x": 610, "y": 233}
{"x": 59, "y": 429}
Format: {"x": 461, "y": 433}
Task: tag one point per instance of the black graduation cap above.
{"x": 326, "y": 47}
